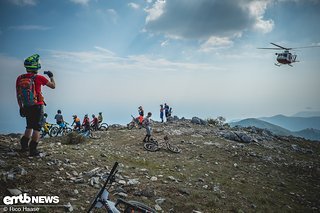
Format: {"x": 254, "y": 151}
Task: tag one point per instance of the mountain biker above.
{"x": 31, "y": 101}
{"x": 161, "y": 113}
{"x": 44, "y": 123}
{"x": 59, "y": 119}
{"x": 147, "y": 125}
{"x": 86, "y": 123}
{"x": 170, "y": 112}
{"x": 100, "y": 118}
{"x": 166, "y": 110}
{"x": 94, "y": 122}
{"x": 77, "y": 123}
{"x": 141, "y": 114}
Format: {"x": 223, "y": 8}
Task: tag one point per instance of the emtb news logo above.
{"x": 24, "y": 199}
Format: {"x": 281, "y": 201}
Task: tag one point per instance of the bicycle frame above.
{"x": 99, "y": 197}
{"x": 102, "y": 198}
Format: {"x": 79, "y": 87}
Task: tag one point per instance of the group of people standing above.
{"x": 165, "y": 110}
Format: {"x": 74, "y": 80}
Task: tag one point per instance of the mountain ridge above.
{"x": 308, "y": 133}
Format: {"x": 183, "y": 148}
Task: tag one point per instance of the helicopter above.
{"x": 286, "y": 57}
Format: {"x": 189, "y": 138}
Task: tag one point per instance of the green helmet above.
{"x": 32, "y": 63}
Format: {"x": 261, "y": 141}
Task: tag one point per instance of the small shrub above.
{"x": 75, "y": 138}
{"x": 219, "y": 121}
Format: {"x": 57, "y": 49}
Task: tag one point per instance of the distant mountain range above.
{"x": 308, "y": 128}
{"x": 307, "y": 114}
{"x": 293, "y": 123}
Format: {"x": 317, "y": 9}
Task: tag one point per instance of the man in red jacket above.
{"x": 31, "y": 101}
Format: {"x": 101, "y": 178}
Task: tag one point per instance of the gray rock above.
{"x": 238, "y": 136}
{"x": 244, "y": 137}
{"x": 148, "y": 192}
{"x": 157, "y": 207}
{"x": 133, "y": 182}
{"x": 184, "y": 191}
{"x": 93, "y": 171}
{"x": 196, "y": 120}
{"x": 79, "y": 180}
{"x": 160, "y": 201}
{"x": 94, "y": 181}
{"x": 171, "y": 178}
{"x": 68, "y": 207}
{"x": 14, "y": 192}
{"x": 121, "y": 194}
{"x": 122, "y": 182}
{"x": 153, "y": 178}
{"x": 2, "y": 163}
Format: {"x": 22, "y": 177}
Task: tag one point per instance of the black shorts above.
{"x": 34, "y": 116}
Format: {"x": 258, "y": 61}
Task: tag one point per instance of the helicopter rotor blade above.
{"x": 305, "y": 47}
{"x": 280, "y": 46}
{"x": 266, "y": 48}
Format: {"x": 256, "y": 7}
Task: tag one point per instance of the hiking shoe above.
{"x": 33, "y": 152}
{"x": 24, "y": 142}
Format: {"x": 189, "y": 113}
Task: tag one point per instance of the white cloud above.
{"x": 214, "y": 43}
{"x": 104, "y": 50}
{"x": 257, "y": 10}
{"x": 108, "y": 60}
{"x": 113, "y": 15}
{"x": 29, "y": 27}
{"x": 203, "y": 19}
{"x": 155, "y": 11}
{"x": 164, "y": 43}
{"x": 82, "y": 2}
{"x": 133, "y": 5}
{"x": 24, "y": 2}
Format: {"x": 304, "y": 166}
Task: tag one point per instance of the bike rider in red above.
{"x": 86, "y": 123}
{"x": 95, "y": 122}
{"x": 141, "y": 114}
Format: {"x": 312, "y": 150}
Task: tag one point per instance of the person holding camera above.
{"x": 31, "y": 101}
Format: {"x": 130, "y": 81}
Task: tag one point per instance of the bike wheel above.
{"x": 42, "y": 133}
{"x": 138, "y": 207}
{"x": 130, "y": 125}
{"x": 66, "y": 131}
{"x": 151, "y": 147}
{"x": 103, "y": 127}
{"x": 54, "y": 131}
{"x": 173, "y": 148}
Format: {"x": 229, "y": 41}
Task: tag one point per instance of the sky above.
{"x": 199, "y": 56}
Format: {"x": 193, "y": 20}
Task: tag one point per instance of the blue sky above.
{"x": 199, "y": 56}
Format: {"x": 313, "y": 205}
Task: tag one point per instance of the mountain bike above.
{"x": 64, "y": 129}
{"x": 101, "y": 126}
{"x": 134, "y": 123}
{"x": 46, "y": 131}
{"x": 154, "y": 145}
{"x": 102, "y": 199}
